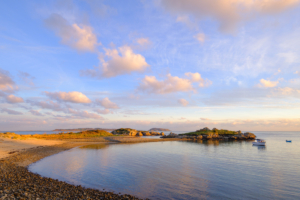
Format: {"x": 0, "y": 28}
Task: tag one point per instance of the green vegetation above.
{"x": 206, "y": 131}
{"x": 123, "y": 131}
{"x": 69, "y": 135}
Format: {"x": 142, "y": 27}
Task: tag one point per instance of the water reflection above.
{"x": 95, "y": 146}
{"x": 182, "y": 170}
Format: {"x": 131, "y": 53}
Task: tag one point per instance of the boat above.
{"x": 288, "y": 140}
{"x": 259, "y": 142}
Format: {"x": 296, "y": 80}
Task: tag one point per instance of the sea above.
{"x": 184, "y": 170}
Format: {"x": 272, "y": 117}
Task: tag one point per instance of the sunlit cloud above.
{"x": 143, "y": 41}
{"x": 103, "y": 112}
{"x": 267, "y": 83}
{"x": 80, "y": 37}
{"x": 73, "y": 97}
{"x": 200, "y": 37}
{"x": 13, "y": 99}
{"x": 183, "y": 102}
{"x": 118, "y": 62}
{"x": 6, "y": 82}
{"x": 106, "y": 103}
{"x": 84, "y": 114}
{"x": 171, "y": 84}
{"x": 229, "y": 13}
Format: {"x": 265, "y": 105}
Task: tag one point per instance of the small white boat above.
{"x": 259, "y": 142}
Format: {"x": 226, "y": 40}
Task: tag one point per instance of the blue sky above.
{"x": 176, "y": 64}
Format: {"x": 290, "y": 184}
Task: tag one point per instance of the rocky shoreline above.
{"x": 16, "y": 182}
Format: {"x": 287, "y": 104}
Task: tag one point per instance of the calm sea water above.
{"x": 185, "y": 170}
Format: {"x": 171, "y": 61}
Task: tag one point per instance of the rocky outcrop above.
{"x": 171, "y": 135}
{"x": 133, "y": 132}
{"x": 125, "y": 131}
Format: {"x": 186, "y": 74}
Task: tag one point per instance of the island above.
{"x": 214, "y": 134}
{"x": 159, "y": 129}
{"x": 133, "y": 132}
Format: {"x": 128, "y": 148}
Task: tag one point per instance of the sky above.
{"x": 177, "y": 64}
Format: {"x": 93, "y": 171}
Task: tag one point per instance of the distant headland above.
{"x": 159, "y": 129}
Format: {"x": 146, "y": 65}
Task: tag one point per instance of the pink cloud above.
{"x": 117, "y": 64}
{"x": 73, "y": 97}
{"x": 13, "y": 99}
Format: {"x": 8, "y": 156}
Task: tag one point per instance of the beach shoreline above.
{"x": 16, "y": 182}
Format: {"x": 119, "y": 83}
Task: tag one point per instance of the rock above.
{"x": 139, "y": 134}
{"x": 239, "y": 132}
{"x": 125, "y": 131}
{"x": 249, "y": 135}
{"x": 162, "y": 133}
{"x": 171, "y": 135}
{"x": 199, "y": 137}
{"x": 146, "y": 133}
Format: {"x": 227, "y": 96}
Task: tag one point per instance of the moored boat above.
{"x": 288, "y": 140}
{"x": 259, "y": 142}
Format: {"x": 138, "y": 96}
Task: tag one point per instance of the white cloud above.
{"x": 172, "y": 84}
{"x": 200, "y": 37}
{"x": 81, "y": 38}
{"x": 183, "y": 102}
{"x": 106, "y": 103}
{"x": 267, "y": 83}
{"x": 13, "y": 99}
{"x": 6, "y": 83}
{"x": 11, "y": 112}
{"x": 228, "y": 12}
{"x": 73, "y": 97}
{"x": 117, "y": 64}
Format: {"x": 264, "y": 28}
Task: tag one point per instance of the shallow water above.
{"x": 185, "y": 170}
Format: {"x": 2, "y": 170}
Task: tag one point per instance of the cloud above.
{"x": 104, "y": 112}
{"x": 186, "y": 20}
{"x": 11, "y": 112}
{"x": 84, "y": 114}
{"x": 47, "y": 105}
{"x": 80, "y": 38}
{"x": 297, "y": 72}
{"x": 106, "y": 103}
{"x": 204, "y": 119}
{"x": 171, "y": 84}
{"x": 6, "y": 83}
{"x": 143, "y": 41}
{"x": 121, "y": 61}
{"x": 13, "y": 99}
{"x": 200, "y": 37}
{"x": 183, "y": 102}
{"x": 196, "y": 77}
{"x": 286, "y": 91}
{"x": 26, "y": 78}
{"x": 267, "y": 83}
{"x": 229, "y": 13}
{"x": 36, "y": 113}
{"x": 73, "y": 97}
